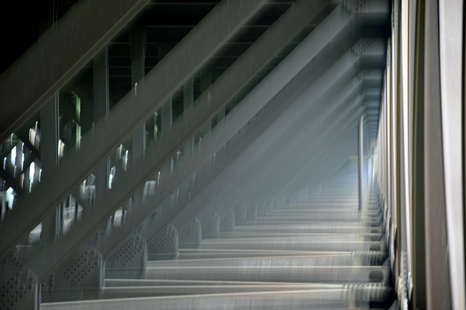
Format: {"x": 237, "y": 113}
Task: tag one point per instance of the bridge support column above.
{"x": 101, "y": 110}
{"x": 50, "y": 131}
{"x": 188, "y": 100}
{"x": 137, "y": 39}
{"x": 206, "y": 81}
{"x": 361, "y": 160}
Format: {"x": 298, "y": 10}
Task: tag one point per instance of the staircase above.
{"x": 315, "y": 252}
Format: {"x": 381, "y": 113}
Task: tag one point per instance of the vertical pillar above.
{"x": 166, "y": 111}
{"x": 137, "y": 38}
{"x": 166, "y": 119}
{"x": 167, "y": 115}
{"x": 49, "y": 134}
{"x": 419, "y": 246}
{"x": 452, "y": 49}
{"x": 188, "y": 94}
{"x": 220, "y": 115}
{"x": 437, "y": 271}
{"x": 101, "y": 110}
{"x": 188, "y": 100}
{"x": 206, "y": 81}
{"x": 49, "y": 118}
{"x": 361, "y": 160}
{"x": 3, "y": 206}
{"x": 78, "y": 119}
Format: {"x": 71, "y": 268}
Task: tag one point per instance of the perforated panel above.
{"x": 82, "y": 269}
{"x": 354, "y": 6}
{"x": 49, "y": 283}
{"x": 211, "y": 227}
{"x": 191, "y": 235}
{"x": 12, "y": 260}
{"x": 129, "y": 261}
{"x": 240, "y": 216}
{"x": 360, "y": 48}
{"x": 129, "y": 255}
{"x": 228, "y": 222}
{"x": 165, "y": 245}
{"x": 18, "y": 289}
{"x": 80, "y": 276}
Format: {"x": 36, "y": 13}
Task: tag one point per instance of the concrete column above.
{"x": 188, "y": 100}
{"x": 50, "y": 135}
{"x": 166, "y": 116}
{"x": 437, "y": 271}
{"x": 221, "y": 115}
{"x": 166, "y": 120}
{"x": 206, "y": 81}
{"x": 50, "y": 132}
{"x": 101, "y": 110}
{"x": 361, "y": 161}
{"x": 137, "y": 38}
{"x": 188, "y": 94}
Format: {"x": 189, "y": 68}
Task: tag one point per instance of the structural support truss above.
{"x": 64, "y": 49}
{"x": 219, "y": 25}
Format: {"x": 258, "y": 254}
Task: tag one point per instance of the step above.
{"x": 302, "y": 274}
{"x": 349, "y": 297}
{"x": 296, "y": 244}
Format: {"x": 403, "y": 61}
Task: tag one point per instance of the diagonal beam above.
{"x": 344, "y": 70}
{"x": 335, "y": 148}
{"x": 221, "y": 198}
{"x": 58, "y": 55}
{"x": 286, "y": 70}
{"x": 195, "y": 208}
{"x": 149, "y": 157}
{"x": 329, "y": 141}
{"x": 222, "y": 22}
{"x": 298, "y": 178}
{"x": 274, "y": 165}
{"x": 247, "y": 66}
{"x": 148, "y": 164}
{"x": 166, "y": 188}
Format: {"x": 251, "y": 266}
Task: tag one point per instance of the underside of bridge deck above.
{"x": 207, "y": 154}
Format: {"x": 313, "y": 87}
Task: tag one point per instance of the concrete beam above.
{"x": 224, "y": 21}
{"x": 58, "y": 55}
